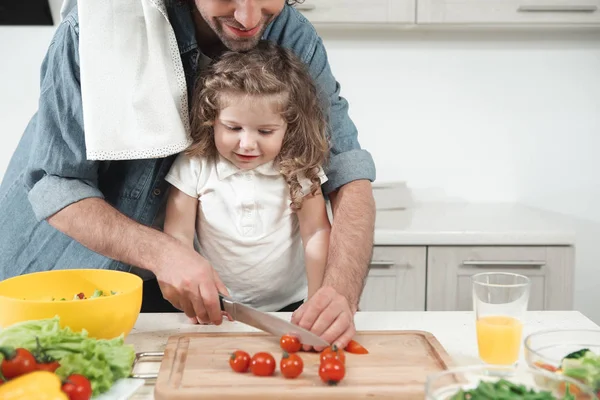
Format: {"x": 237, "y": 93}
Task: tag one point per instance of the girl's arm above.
{"x": 180, "y": 217}
{"x": 314, "y": 229}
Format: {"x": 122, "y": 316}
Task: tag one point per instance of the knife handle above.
{"x": 221, "y": 303}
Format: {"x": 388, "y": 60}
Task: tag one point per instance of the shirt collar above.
{"x": 181, "y": 20}
{"x": 225, "y": 168}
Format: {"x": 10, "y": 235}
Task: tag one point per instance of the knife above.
{"x": 267, "y": 322}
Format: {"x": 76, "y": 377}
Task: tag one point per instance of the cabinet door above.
{"x": 358, "y": 11}
{"x": 528, "y": 12}
{"x": 449, "y": 271}
{"x": 396, "y": 280}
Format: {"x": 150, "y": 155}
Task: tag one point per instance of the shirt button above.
{"x": 156, "y": 192}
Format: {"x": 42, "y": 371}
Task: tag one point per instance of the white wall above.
{"x": 499, "y": 117}
{"x": 483, "y": 117}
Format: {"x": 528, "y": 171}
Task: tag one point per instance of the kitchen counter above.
{"x": 472, "y": 224}
{"x": 454, "y": 330}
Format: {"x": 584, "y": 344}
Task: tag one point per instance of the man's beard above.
{"x": 238, "y": 44}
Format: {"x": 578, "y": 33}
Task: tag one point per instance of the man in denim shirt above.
{"x": 63, "y": 211}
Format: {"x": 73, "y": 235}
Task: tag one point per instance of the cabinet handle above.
{"x": 525, "y": 264}
{"x": 557, "y": 8}
{"x": 305, "y": 7}
{"x": 381, "y": 264}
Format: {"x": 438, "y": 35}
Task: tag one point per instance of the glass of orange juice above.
{"x": 500, "y": 301}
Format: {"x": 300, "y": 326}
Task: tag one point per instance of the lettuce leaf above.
{"x": 586, "y": 368}
{"x": 102, "y": 361}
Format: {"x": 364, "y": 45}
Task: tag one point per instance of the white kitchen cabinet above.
{"x": 358, "y": 11}
{"x": 449, "y": 268}
{"x": 491, "y": 12}
{"x": 396, "y": 279}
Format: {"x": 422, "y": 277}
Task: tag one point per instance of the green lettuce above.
{"x": 585, "y": 368}
{"x": 102, "y": 361}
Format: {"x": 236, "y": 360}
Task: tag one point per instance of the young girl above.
{"x": 249, "y": 185}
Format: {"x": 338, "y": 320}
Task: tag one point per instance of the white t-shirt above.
{"x": 246, "y": 229}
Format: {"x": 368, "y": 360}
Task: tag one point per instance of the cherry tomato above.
{"x": 77, "y": 387}
{"x": 291, "y": 365}
{"x": 333, "y": 352}
{"x": 356, "y": 348}
{"x": 548, "y": 367}
{"x": 49, "y": 366}
{"x": 332, "y": 371}
{"x": 290, "y": 344}
{"x": 239, "y": 361}
{"x": 16, "y": 362}
{"x": 262, "y": 364}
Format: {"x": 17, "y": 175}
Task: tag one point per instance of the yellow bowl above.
{"x": 40, "y": 295}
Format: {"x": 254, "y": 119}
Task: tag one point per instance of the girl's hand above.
{"x": 329, "y": 315}
{"x": 194, "y": 320}
{"x": 190, "y": 283}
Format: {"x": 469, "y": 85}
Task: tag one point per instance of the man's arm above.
{"x": 186, "y": 279}
{"x": 101, "y": 228}
{"x": 351, "y": 243}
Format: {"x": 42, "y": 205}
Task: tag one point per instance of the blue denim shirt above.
{"x": 49, "y": 169}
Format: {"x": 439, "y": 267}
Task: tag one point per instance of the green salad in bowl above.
{"x": 485, "y": 382}
{"x": 571, "y": 353}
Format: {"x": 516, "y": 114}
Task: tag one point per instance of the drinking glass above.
{"x": 500, "y": 301}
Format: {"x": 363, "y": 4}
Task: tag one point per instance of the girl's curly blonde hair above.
{"x": 274, "y": 71}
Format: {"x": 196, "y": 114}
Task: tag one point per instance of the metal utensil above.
{"x": 268, "y": 322}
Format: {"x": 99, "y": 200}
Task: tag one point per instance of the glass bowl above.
{"x": 546, "y": 349}
{"x": 447, "y": 385}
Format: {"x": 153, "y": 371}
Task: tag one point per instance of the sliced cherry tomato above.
{"x": 545, "y": 366}
{"x": 332, "y": 352}
{"x": 239, "y": 361}
{"x": 355, "y": 348}
{"x": 262, "y": 364}
{"x": 290, "y": 344}
{"x": 332, "y": 371}
{"x": 49, "y": 366}
{"x": 291, "y": 365}
{"x": 77, "y": 387}
{"x": 16, "y": 362}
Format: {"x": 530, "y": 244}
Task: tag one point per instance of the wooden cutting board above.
{"x": 196, "y": 366}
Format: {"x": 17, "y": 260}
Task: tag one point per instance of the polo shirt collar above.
{"x": 225, "y": 168}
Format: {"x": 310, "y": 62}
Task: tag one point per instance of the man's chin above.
{"x": 236, "y": 43}
{"x": 241, "y": 44}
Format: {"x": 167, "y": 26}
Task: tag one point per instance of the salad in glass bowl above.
{"x": 574, "y": 353}
{"x": 486, "y": 382}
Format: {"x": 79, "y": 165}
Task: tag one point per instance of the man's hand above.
{"x": 191, "y": 284}
{"x": 327, "y": 314}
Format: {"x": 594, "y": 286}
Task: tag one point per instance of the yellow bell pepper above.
{"x": 37, "y": 385}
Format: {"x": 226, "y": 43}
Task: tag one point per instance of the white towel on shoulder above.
{"x": 133, "y": 85}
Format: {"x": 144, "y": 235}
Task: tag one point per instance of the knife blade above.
{"x": 268, "y": 323}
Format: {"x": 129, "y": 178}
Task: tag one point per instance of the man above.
{"x": 63, "y": 210}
